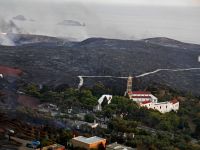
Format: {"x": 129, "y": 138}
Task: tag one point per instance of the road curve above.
{"x": 81, "y": 82}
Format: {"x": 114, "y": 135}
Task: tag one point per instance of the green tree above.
{"x": 89, "y": 118}
{"x": 86, "y": 98}
{"x": 99, "y": 89}
{"x": 33, "y": 90}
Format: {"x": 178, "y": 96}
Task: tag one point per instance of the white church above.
{"x": 148, "y": 100}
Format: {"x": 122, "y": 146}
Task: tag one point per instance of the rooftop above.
{"x": 146, "y": 102}
{"x": 160, "y": 103}
{"x": 117, "y": 146}
{"x": 141, "y": 96}
{"x": 90, "y": 140}
{"x": 140, "y": 92}
{"x": 174, "y": 101}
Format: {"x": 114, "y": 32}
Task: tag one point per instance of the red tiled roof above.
{"x": 174, "y": 101}
{"x": 140, "y": 96}
{"x": 146, "y": 102}
{"x": 140, "y": 92}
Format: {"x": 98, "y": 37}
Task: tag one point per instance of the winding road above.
{"x": 81, "y": 78}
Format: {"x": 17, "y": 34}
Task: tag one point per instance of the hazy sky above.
{"x": 123, "y": 19}
{"x": 135, "y": 2}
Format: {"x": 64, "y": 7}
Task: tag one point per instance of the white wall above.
{"x": 162, "y": 107}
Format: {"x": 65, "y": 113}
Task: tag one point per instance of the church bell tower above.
{"x": 129, "y": 85}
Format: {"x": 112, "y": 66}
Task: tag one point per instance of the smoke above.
{"x": 8, "y": 29}
{"x": 5, "y": 40}
{"x": 46, "y": 18}
{"x": 132, "y": 19}
{"x": 50, "y": 13}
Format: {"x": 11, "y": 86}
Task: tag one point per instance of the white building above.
{"x": 108, "y": 98}
{"x": 162, "y": 107}
{"x": 146, "y": 99}
{"x": 142, "y": 96}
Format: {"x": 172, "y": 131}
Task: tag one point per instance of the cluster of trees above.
{"x": 173, "y": 130}
{"x": 65, "y": 98}
{"x": 129, "y": 110}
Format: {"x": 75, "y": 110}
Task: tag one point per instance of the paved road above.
{"x": 138, "y": 76}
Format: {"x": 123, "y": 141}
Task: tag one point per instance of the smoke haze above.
{"x": 122, "y": 19}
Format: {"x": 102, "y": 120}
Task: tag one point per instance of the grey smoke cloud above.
{"x": 7, "y": 27}
{"x": 123, "y": 19}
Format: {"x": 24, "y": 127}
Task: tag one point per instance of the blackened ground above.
{"x": 53, "y": 64}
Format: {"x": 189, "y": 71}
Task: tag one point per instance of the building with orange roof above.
{"x": 141, "y": 96}
{"x": 88, "y": 143}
